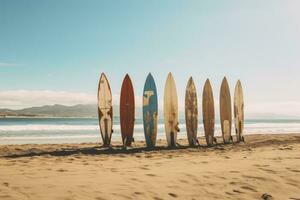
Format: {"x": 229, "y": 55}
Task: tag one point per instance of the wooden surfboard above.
{"x": 127, "y": 111}
{"x": 105, "y": 110}
{"x": 171, "y": 111}
{"x": 225, "y": 111}
{"x": 150, "y": 109}
{"x": 239, "y": 111}
{"x": 208, "y": 113}
{"x": 191, "y": 112}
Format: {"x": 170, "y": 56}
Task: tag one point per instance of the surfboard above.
{"x": 208, "y": 113}
{"x": 150, "y": 109}
{"x": 105, "y": 110}
{"x": 127, "y": 111}
{"x": 239, "y": 111}
{"x": 171, "y": 111}
{"x": 225, "y": 111}
{"x": 191, "y": 112}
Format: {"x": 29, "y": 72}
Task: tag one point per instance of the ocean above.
{"x": 79, "y": 130}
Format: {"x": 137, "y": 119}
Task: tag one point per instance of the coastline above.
{"x": 264, "y": 164}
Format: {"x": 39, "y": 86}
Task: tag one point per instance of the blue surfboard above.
{"x": 150, "y": 109}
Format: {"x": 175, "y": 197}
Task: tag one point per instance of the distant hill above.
{"x": 90, "y": 110}
{"x": 53, "y": 111}
{"x": 79, "y": 110}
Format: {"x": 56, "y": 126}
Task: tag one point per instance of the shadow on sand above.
{"x": 99, "y": 150}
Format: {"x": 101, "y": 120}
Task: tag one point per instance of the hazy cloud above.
{"x": 26, "y": 98}
{"x": 16, "y": 99}
{"x": 4, "y": 64}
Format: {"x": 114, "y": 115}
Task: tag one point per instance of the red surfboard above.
{"x": 127, "y": 111}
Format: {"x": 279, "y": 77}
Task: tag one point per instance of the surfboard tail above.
{"x": 106, "y": 139}
{"x": 173, "y": 142}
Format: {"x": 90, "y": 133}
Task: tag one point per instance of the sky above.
{"x": 54, "y": 51}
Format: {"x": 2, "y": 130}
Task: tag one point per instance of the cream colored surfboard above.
{"x": 239, "y": 111}
{"x": 171, "y": 111}
{"x": 225, "y": 111}
{"x": 191, "y": 112}
{"x": 105, "y": 112}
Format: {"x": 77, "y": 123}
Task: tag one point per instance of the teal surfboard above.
{"x": 150, "y": 109}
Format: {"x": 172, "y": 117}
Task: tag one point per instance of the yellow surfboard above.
{"x": 225, "y": 111}
{"x": 239, "y": 111}
{"x": 171, "y": 111}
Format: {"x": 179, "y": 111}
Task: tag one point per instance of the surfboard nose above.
{"x": 191, "y": 80}
{"x": 127, "y": 76}
{"x": 149, "y": 76}
{"x": 170, "y": 74}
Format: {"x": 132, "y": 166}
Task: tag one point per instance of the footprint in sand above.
{"x": 144, "y": 168}
{"x": 135, "y": 179}
{"x": 151, "y": 175}
{"x": 293, "y": 184}
{"x": 113, "y": 170}
{"x": 61, "y": 170}
{"x": 99, "y": 198}
{"x": 173, "y": 195}
{"x": 5, "y": 196}
{"x": 138, "y": 193}
{"x": 6, "y": 184}
{"x": 183, "y": 181}
{"x": 267, "y": 170}
{"x": 222, "y": 177}
{"x": 255, "y": 177}
{"x": 293, "y": 170}
{"x": 249, "y": 188}
{"x": 237, "y": 191}
{"x": 233, "y": 183}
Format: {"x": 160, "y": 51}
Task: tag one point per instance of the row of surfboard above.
{"x": 150, "y": 111}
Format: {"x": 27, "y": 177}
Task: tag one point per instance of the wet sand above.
{"x": 264, "y": 164}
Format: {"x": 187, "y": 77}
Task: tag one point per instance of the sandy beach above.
{"x": 264, "y": 164}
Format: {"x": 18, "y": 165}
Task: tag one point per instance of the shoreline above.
{"x": 118, "y": 141}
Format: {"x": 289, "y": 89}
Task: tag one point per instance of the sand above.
{"x": 265, "y": 164}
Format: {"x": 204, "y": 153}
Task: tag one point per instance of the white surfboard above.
{"x": 105, "y": 111}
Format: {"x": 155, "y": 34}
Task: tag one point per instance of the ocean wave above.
{"x": 47, "y": 127}
{"x": 116, "y": 127}
{"x": 50, "y": 137}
